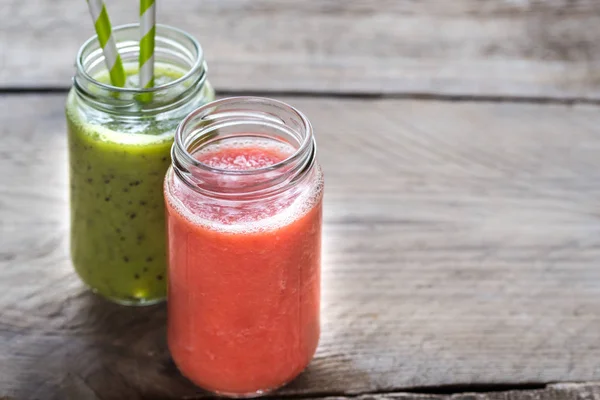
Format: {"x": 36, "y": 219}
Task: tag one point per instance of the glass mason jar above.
{"x": 119, "y": 150}
{"x": 244, "y": 215}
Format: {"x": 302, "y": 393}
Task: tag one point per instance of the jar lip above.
{"x": 198, "y": 63}
{"x": 305, "y": 145}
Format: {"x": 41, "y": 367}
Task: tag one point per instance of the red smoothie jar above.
{"x": 244, "y": 215}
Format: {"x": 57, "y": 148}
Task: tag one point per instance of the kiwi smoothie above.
{"x": 117, "y": 168}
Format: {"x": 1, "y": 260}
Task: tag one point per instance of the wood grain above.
{"x": 524, "y": 48}
{"x": 461, "y": 248}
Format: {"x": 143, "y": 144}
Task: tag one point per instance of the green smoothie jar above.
{"x": 119, "y": 150}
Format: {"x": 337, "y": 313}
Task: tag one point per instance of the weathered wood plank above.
{"x": 526, "y": 48}
{"x": 461, "y": 247}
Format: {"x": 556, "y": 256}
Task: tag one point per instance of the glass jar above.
{"x": 119, "y": 150}
{"x": 244, "y": 215}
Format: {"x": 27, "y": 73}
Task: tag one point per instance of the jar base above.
{"x": 132, "y": 302}
{"x": 251, "y": 395}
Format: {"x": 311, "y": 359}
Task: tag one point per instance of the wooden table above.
{"x": 461, "y": 145}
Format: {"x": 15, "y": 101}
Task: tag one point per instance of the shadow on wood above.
{"x": 109, "y": 352}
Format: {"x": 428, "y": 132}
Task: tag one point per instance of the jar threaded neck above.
{"x": 249, "y": 119}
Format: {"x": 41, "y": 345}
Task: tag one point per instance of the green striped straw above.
{"x": 107, "y": 42}
{"x": 148, "y": 31}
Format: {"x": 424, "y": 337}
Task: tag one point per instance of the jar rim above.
{"x": 180, "y": 150}
{"x": 198, "y": 64}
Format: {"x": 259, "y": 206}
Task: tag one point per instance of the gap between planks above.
{"x": 350, "y": 95}
{"x": 530, "y": 391}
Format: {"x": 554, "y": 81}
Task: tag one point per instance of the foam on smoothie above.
{"x": 135, "y": 136}
{"x": 246, "y": 216}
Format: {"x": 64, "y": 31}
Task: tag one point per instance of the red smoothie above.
{"x": 244, "y": 286}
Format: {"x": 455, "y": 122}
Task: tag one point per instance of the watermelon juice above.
{"x": 244, "y": 212}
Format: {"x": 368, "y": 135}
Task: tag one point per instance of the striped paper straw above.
{"x": 148, "y": 31}
{"x": 107, "y": 42}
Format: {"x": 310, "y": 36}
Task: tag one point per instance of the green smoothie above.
{"x": 117, "y": 168}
